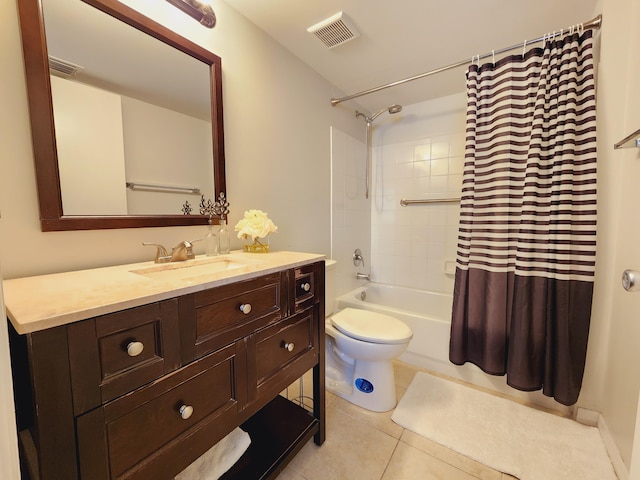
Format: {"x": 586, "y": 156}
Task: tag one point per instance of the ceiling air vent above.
{"x": 335, "y": 30}
{"x": 63, "y": 68}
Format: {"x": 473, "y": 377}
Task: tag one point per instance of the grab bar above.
{"x": 162, "y": 188}
{"x": 406, "y": 203}
{"x": 632, "y": 140}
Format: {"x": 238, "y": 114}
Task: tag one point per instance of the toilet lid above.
{"x": 371, "y": 326}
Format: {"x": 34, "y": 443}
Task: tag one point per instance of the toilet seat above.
{"x": 371, "y": 326}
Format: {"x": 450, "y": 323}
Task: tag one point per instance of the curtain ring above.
{"x": 524, "y": 48}
{"x": 580, "y": 28}
{"x": 493, "y": 57}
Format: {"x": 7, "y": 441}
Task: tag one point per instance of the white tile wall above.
{"x": 424, "y": 160}
{"x": 418, "y": 153}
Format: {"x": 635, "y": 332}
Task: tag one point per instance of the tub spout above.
{"x": 362, "y": 276}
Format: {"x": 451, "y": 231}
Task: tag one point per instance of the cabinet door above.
{"x": 158, "y": 430}
{"x": 279, "y": 354}
{"x": 116, "y": 353}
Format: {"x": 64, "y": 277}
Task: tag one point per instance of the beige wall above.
{"x": 619, "y": 226}
{"x": 155, "y": 140}
{"x": 90, "y": 141}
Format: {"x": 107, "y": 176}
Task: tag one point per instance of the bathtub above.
{"x": 428, "y": 314}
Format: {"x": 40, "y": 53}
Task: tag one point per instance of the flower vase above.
{"x": 259, "y": 245}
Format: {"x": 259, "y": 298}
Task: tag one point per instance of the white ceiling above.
{"x": 404, "y": 38}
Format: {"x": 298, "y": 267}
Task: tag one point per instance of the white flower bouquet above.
{"x": 254, "y": 225}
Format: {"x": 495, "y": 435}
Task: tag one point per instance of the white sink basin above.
{"x": 197, "y": 269}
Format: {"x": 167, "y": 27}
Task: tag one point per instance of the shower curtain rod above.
{"x": 594, "y": 23}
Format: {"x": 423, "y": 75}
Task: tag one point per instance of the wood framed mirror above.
{"x": 53, "y": 216}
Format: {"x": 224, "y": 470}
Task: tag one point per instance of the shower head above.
{"x": 395, "y": 108}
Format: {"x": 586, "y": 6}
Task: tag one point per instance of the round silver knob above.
{"x": 630, "y": 280}
{"x": 135, "y": 348}
{"x": 306, "y": 286}
{"x": 245, "y": 308}
{"x": 289, "y": 346}
{"x": 186, "y": 411}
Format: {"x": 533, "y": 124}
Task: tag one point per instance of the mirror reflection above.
{"x": 128, "y": 109}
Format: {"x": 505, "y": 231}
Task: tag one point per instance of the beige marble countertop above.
{"x": 46, "y": 301}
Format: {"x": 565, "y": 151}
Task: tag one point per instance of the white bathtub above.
{"x": 428, "y": 314}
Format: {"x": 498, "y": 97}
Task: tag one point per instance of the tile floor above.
{"x": 365, "y": 445}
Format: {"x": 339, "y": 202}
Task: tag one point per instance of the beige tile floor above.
{"x": 365, "y": 445}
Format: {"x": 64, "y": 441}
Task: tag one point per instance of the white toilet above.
{"x": 359, "y": 347}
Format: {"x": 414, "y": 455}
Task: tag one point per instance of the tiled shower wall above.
{"x": 418, "y": 154}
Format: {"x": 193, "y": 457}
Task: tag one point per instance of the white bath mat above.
{"x": 501, "y": 434}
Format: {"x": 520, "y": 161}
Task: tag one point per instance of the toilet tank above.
{"x": 329, "y": 286}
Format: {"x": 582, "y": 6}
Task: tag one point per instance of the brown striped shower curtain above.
{"x": 526, "y": 242}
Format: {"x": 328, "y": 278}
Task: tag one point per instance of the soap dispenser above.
{"x": 210, "y": 241}
{"x": 224, "y": 242}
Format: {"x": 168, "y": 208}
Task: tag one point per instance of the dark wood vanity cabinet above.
{"x": 142, "y": 393}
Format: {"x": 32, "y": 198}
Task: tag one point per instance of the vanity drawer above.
{"x": 221, "y": 315}
{"x": 282, "y": 353}
{"x": 306, "y": 286}
{"x": 129, "y": 436}
{"x": 116, "y": 353}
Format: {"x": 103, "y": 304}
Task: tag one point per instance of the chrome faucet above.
{"x": 362, "y": 276}
{"x": 358, "y": 258}
{"x": 181, "y": 252}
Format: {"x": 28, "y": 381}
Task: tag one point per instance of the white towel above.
{"x": 219, "y": 458}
